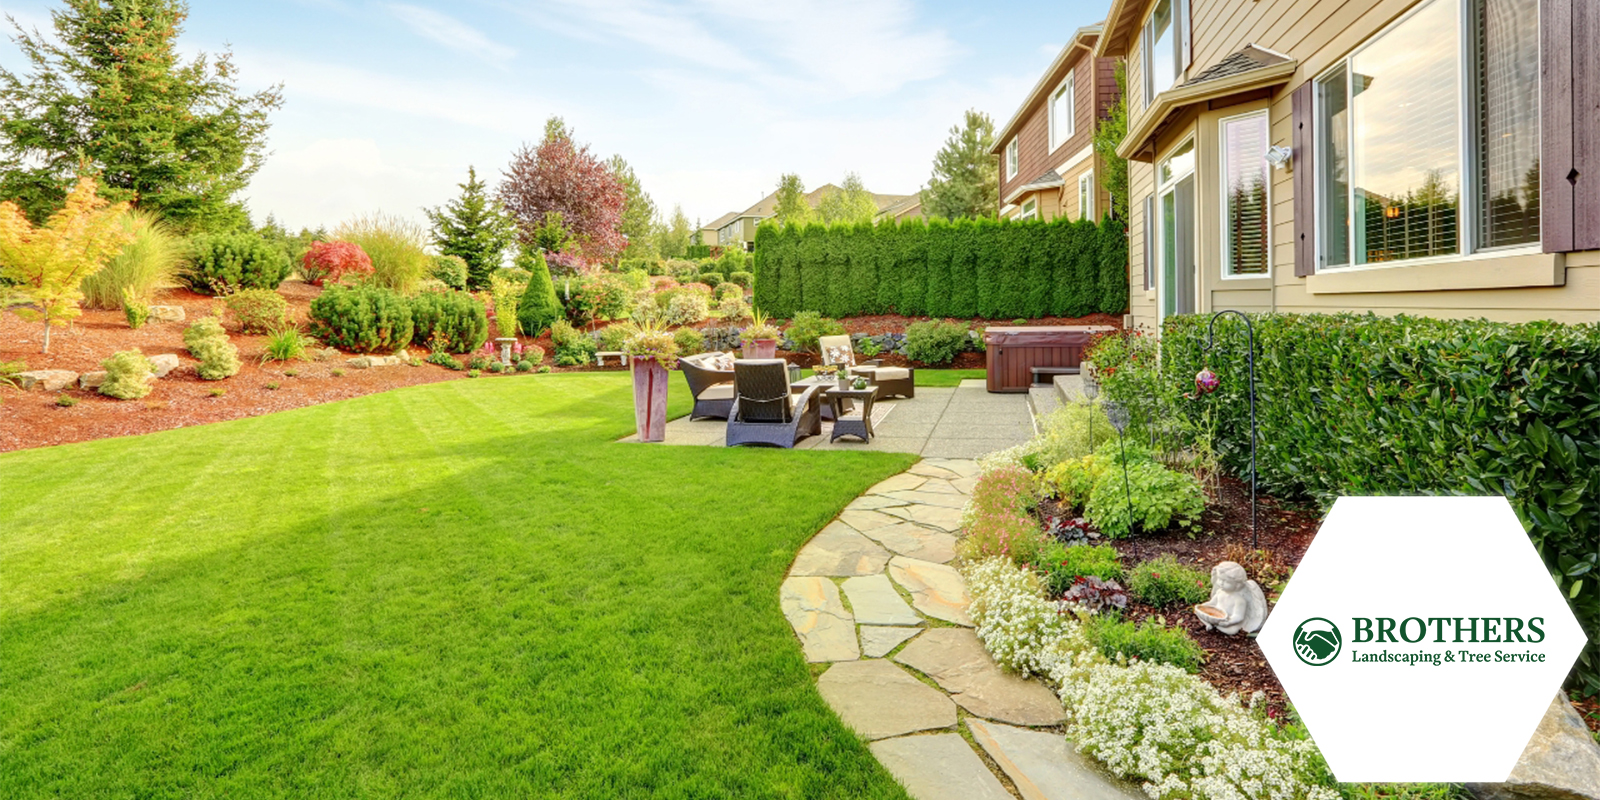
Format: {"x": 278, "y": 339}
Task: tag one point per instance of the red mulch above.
{"x": 1589, "y": 709}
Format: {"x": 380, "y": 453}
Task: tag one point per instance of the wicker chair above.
{"x": 765, "y": 411}
{"x": 712, "y": 388}
{"x": 891, "y": 381}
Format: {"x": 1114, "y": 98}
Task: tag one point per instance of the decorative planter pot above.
{"x": 650, "y": 399}
{"x": 761, "y": 348}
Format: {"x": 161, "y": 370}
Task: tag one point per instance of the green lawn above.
{"x": 938, "y": 377}
{"x": 465, "y": 589}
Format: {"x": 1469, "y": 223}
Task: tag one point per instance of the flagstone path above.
{"x": 873, "y": 595}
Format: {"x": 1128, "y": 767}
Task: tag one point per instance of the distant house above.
{"x": 1430, "y": 157}
{"x": 740, "y": 226}
{"x": 1048, "y": 166}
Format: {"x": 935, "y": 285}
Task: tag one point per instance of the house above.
{"x": 712, "y": 234}
{"x": 1432, "y": 157}
{"x": 740, "y": 227}
{"x": 1046, "y": 150}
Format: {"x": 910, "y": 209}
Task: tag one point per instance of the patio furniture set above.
{"x": 767, "y": 402}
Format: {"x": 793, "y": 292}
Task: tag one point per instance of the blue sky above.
{"x": 386, "y": 104}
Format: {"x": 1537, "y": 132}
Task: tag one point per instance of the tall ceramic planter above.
{"x": 761, "y": 348}
{"x": 650, "y": 399}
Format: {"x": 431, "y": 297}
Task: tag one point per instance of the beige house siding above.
{"x": 1318, "y": 34}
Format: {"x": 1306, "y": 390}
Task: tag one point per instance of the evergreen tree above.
{"x": 851, "y": 205}
{"x": 638, "y": 213}
{"x": 1113, "y": 172}
{"x": 791, "y": 207}
{"x": 539, "y": 307}
{"x": 109, "y": 92}
{"x": 672, "y": 239}
{"x": 474, "y": 228}
{"x": 966, "y": 177}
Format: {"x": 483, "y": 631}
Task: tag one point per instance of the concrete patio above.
{"x": 963, "y": 422}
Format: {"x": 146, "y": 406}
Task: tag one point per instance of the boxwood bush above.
{"x": 225, "y": 263}
{"x": 455, "y": 322}
{"x": 362, "y": 319}
{"x": 935, "y": 342}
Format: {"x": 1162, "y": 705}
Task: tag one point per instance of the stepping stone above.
{"x": 962, "y": 467}
{"x": 939, "y": 767}
{"x": 952, "y": 657}
{"x": 1045, "y": 766}
{"x": 877, "y": 641}
{"x": 898, "y": 483}
{"x": 936, "y": 590}
{"x": 945, "y": 519}
{"x": 50, "y": 380}
{"x": 880, "y": 700}
{"x": 964, "y": 485}
{"x": 1002, "y": 696}
{"x": 930, "y": 470}
{"x": 814, "y": 610}
{"x": 865, "y": 521}
{"x": 907, "y": 539}
{"x": 875, "y": 602}
{"x": 871, "y": 502}
{"x": 839, "y": 551}
{"x": 955, "y": 501}
{"x": 940, "y": 486}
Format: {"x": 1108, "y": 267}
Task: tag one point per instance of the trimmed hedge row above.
{"x": 967, "y": 268}
{"x": 1360, "y": 405}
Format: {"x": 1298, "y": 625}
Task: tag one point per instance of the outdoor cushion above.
{"x": 721, "y": 391}
{"x": 891, "y": 373}
{"x": 721, "y": 362}
{"x": 839, "y": 356}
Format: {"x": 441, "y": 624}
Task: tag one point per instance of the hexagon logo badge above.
{"x": 1421, "y": 639}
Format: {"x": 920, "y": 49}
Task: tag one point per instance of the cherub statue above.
{"x": 1237, "y": 603}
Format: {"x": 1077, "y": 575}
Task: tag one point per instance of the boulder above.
{"x": 368, "y": 362}
{"x": 91, "y": 380}
{"x": 164, "y": 363}
{"x": 167, "y": 314}
{"x": 50, "y": 380}
{"x": 1561, "y": 762}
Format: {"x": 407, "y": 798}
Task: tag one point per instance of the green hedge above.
{"x": 699, "y": 251}
{"x": 968, "y": 268}
{"x": 1362, "y": 405}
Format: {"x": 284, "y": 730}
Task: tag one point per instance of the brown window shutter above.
{"x": 1302, "y": 162}
{"x": 1569, "y": 147}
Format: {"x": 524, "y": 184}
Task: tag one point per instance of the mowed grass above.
{"x": 462, "y": 590}
{"x": 943, "y": 378}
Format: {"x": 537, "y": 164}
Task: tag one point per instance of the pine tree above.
{"x": 171, "y": 136}
{"x": 474, "y": 228}
{"x": 966, "y": 177}
{"x": 791, "y": 207}
{"x": 539, "y": 307}
{"x": 638, "y": 214}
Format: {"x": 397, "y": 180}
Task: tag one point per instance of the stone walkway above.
{"x": 873, "y": 596}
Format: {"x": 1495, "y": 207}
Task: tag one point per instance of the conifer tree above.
{"x": 539, "y": 307}
{"x": 474, "y": 228}
{"x": 966, "y": 176}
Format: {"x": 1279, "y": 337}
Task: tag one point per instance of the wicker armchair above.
{"x": 712, "y": 388}
{"x": 891, "y": 381}
{"x": 765, "y": 411}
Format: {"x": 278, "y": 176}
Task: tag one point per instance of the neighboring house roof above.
{"x": 905, "y": 205}
{"x": 1118, "y": 28}
{"x": 1049, "y": 180}
{"x": 1047, "y": 81}
{"x": 721, "y": 222}
{"x": 1247, "y": 70}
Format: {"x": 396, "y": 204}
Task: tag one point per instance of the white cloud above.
{"x": 451, "y": 32}
{"x": 656, "y": 25}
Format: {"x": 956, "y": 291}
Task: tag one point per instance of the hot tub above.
{"x": 1022, "y": 357}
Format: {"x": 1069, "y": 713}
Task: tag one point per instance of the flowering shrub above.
{"x": 1020, "y": 628}
{"x": 687, "y": 308}
{"x": 1164, "y": 582}
{"x": 326, "y": 262}
{"x": 1007, "y": 489}
{"x": 1067, "y": 433}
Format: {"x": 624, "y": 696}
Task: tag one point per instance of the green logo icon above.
{"x": 1317, "y": 641}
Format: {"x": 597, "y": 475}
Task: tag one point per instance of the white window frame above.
{"x": 1030, "y": 209}
{"x": 1222, "y": 182}
{"x": 1086, "y": 198}
{"x": 1180, "y": 32}
{"x": 1466, "y": 157}
{"x": 1011, "y": 159}
{"x": 1069, "y": 86}
{"x": 1161, "y": 223}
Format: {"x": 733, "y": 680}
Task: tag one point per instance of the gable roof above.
{"x": 1119, "y": 26}
{"x": 722, "y": 221}
{"x": 1049, "y": 180}
{"x": 1248, "y": 70}
{"x": 1084, "y": 36}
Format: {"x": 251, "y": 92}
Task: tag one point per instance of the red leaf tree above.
{"x": 330, "y": 262}
{"x": 562, "y": 176}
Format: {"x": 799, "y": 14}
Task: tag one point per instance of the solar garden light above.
{"x": 1206, "y": 382}
{"x": 1117, "y": 413}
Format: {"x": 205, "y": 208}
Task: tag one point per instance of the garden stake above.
{"x": 1206, "y": 382}
{"x": 1091, "y": 390}
{"x": 1118, "y": 415}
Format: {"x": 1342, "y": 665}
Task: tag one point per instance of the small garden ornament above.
{"x": 1237, "y": 603}
{"x": 1117, "y": 413}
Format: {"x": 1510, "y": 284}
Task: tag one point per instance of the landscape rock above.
{"x": 865, "y": 520}
{"x": 939, "y": 486}
{"x": 878, "y": 640}
{"x": 961, "y": 467}
{"x": 871, "y": 502}
{"x": 936, "y": 590}
{"x": 167, "y": 314}
{"x": 1045, "y": 766}
{"x": 92, "y": 380}
{"x": 814, "y": 610}
{"x": 368, "y": 362}
{"x": 50, "y": 380}
{"x": 919, "y": 497}
{"x": 838, "y": 550}
{"x": 874, "y": 601}
{"x": 164, "y": 363}
{"x": 880, "y": 700}
{"x": 939, "y": 767}
{"x": 1561, "y": 762}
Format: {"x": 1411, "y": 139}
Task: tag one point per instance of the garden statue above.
{"x": 1237, "y": 603}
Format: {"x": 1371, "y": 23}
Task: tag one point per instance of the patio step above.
{"x": 1041, "y": 401}
{"x": 1069, "y": 388}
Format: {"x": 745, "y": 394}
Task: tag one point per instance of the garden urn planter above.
{"x": 761, "y": 348}
{"x": 650, "y": 399}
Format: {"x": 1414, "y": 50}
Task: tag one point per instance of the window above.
{"x": 1061, "y": 113}
{"x": 1086, "y": 195}
{"x": 1011, "y": 160}
{"x": 1246, "y": 234}
{"x": 1163, "y": 47}
{"x": 1030, "y": 210}
{"x": 1428, "y": 142}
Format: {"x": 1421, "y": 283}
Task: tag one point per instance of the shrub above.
{"x": 1072, "y": 481}
{"x": 128, "y": 375}
{"x": 538, "y": 307}
{"x": 496, "y": 367}
{"x": 1096, "y": 596}
{"x": 809, "y": 326}
{"x": 362, "y": 319}
{"x": 524, "y": 366}
{"x": 683, "y": 271}
{"x": 334, "y": 262}
{"x": 450, "y": 322}
{"x": 285, "y": 344}
{"x": 1164, "y": 582}
{"x": 152, "y": 260}
{"x": 1064, "y": 434}
{"x": 1147, "y": 641}
{"x": 935, "y": 342}
{"x": 226, "y": 263}
{"x": 533, "y": 354}
{"x": 397, "y": 247}
{"x": 451, "y": 271}
{"x": 1160, "y": 498}
{"x": 573, "y": 347}
{"x": 258, "y": 310}
{"x": 599, "y": 296}
{"x": 744, "y": 279}
{"x": 690, "y": 341}
{"x": 726, "y": 290}
{"x": 506, "y": 294}
{"x": 733, "y": 308}
{"x": 712, "y": 279}
{"x": 997, "y": 533}
{"x": 443, "y": 359}
{"x": 612, "y": 337}
{"x": 478, "y": 364}
{"x": 66, "y": 400}
{"x": 1126, "y": 364}
{"x": 208, "y": 341}
{"x": 686, "y": 308}
{"x": 1062, "y": 564}
{"x": 544, "y": 370}
{"x": 135, "y": 311}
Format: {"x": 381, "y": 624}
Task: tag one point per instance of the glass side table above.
{"x": 847, "y": 422}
